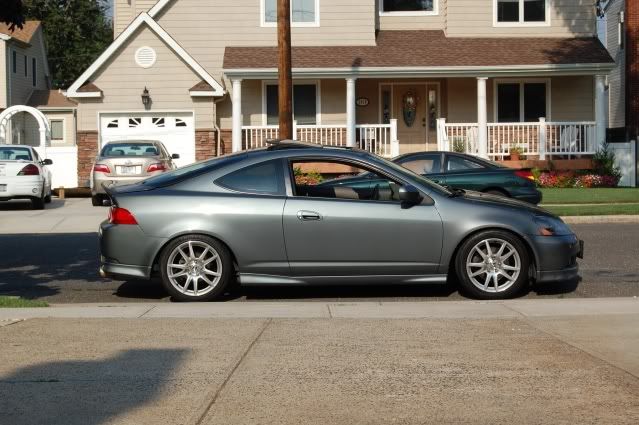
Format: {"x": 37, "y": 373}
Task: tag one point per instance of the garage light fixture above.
{"x": 146, "y": 98}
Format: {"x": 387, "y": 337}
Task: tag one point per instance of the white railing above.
{"x": 542, "y": 139}
{"x": 380, "y": 139}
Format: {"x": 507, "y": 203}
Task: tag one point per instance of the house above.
{"x": 25, "y": 83}
{"x": 390, "y": 76}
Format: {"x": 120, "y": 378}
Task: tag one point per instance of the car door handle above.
{"x": 308, "y": 216}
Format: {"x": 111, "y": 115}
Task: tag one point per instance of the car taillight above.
{"x": 525, "y": 174}
{"x": 101, "y": 168}
{"x": 29, "y": 170}
{"x": 121, "y": 216}
{"x": 156, "y": 167}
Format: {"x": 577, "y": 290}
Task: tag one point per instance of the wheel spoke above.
{"x": 487, "y": 281}
{"x": 207, "y": 280}
{"x": 195, "y": 280}
{"x": 186, "y": 285}
{"x": 501, "y": 249}
{"x": 178, "y": 266}
{"x": 478, "y": 272}
{"x": 476, "y": 265}
{"x": 212, "y": 273}
{"x": 206, "y": 251}
{"x": 496, "y": 280}
{"x": 510, "y": 268}
{"x": 210, "y": 260}
{"x": 507, "y": 256}
{"x": 191, "y": 253}
{"x": 180, "y": 274}
{"x": 183, "y": 254}
{"x": 480, "y": 252}
{"x": 489, "y": 251}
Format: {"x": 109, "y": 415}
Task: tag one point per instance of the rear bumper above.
{"x": 123, "y": 271}
{"x": 558, "y": 258}
{"x": 24, "y": 188}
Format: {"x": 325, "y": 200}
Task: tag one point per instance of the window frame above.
{"x": 313, "y": 24}
{"x": 521, "y": 22}
{"x": 64, "y": 130}
{"x": 522, "y": 82}
{"x": 34, "y": 72}
{"x": 434, "y": 12}
{"x": 14, "y": 59}
{"x": 318, "y": 98}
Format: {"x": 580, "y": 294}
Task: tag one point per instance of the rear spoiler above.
{"x": 109, "y": 193}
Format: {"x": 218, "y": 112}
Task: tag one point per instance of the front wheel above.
{"x": 493, "y": 265}
{"x": 196, "y": 268}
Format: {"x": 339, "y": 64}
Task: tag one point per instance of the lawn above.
{"x": 15, "y": 302}
{"x": 603, "y": 209}
{"x": 590, "y": 196}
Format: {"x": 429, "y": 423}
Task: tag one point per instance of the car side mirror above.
{"x": 47, "y": 162}
{"x": 175, "y": 156}
{"x": 410, "y": 195}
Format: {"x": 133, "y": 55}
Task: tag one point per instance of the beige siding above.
{"x": 123, "y": 81}
{"x": 474, "y": 18}
{"x": 436, "y": 22}
{"x": 573, "y": 99}
{"x": 21, "y": 85}
{"x": 4, "y": 62}
{"x": 617, "y": 78}
{"x": 125, "y": 11}
{"x": 31, "y": 130}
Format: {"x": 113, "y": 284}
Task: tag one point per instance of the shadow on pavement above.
{"x": 25, "y": 205}
{"x": 86, "y": 392}
{"x": 34, "y": 265}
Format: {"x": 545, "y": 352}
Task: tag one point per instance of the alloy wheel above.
{"x": 194, "y": 268}
{"x": 493, "y": 265}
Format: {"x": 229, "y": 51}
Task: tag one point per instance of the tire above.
{"x": 47, "y": 199}
{"x": 38, "y": 203}
{"x": 97, "y": 201}
{"x": 509, "y": 264}
{"x": 191, "y": 256}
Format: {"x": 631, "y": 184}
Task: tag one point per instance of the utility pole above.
{"x": 285, "y": 73}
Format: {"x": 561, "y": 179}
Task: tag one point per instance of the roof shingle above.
{"x": 429, "y": 49}
{"x": 25, "y": 34}
{"x": 50, "y": 99}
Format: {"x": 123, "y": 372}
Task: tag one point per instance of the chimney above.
{"x": 632, "y": 67}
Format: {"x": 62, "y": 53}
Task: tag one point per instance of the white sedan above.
{"x": 23, "y": 175}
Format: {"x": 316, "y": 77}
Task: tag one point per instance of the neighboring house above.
{"x": 614, "y": 38}
{"x": 25, "y": 80}
{"x": 391, "y": 76}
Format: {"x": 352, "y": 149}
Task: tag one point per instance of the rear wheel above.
{"x": 38, "y": 203}
{"x": 196, "y": 268}
{"x": 97, "y": 200}
{"x": 47, "y": 198}
{"x": 493, "y": 265}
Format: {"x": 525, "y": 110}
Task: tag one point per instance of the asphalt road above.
{"x": 62, "y": 268}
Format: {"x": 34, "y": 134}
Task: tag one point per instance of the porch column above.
{"x": 600, "y": 111}
{"x": 350, "y": 112}
{"x": 482, "y": 117}
{"x": 237, "y": 115}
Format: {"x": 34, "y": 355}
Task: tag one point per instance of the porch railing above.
{"x": 380, "y": 139}
{"x": 543, "y": 139}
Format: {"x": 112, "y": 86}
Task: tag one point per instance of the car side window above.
{"x": 36, "y": 156}
{"x": 266, "y": 178}
{"x": 456, "y": 163}
{"x": 423, "y": 164}
{"x": 340, "y": 180}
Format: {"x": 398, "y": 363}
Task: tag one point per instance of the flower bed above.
{"x": 566, "y": 179}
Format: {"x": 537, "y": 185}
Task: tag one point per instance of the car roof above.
{"x": 132, "y": 142}
{"x": 17, "y": 146}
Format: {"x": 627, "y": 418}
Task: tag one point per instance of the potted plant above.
{"x": 515, "y": 153}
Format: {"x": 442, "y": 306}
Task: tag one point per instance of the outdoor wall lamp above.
{"x": 146, "y": 98}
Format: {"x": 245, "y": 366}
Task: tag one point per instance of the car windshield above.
{"x": 172, "y": 177}
{"x": 15, "y": 154}
{"x": 113, "y": 150}
{"x": 412, "y": 175}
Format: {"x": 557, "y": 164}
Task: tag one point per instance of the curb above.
{"x": 597, "y": 219}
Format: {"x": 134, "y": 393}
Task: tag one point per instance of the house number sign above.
{"x": 362, "y": 101}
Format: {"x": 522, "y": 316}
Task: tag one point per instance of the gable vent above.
{"x": 145, "y": 57}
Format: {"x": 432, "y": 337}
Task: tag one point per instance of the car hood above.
{"x": 488, "y": 199}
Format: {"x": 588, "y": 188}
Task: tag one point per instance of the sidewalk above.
{"x": 520, "y": 361}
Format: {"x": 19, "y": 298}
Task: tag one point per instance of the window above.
{"x": 113, "y": 124}
{"x": 15, "y": 154}
{"x": 34, "y": 72}
{"x": 135, "y": 122}
{"x": 409, "y": 7}
{"x": 14, "y": 61}
{"x": 423, "y": 164}
{"x": 265, "y": 178}
{"x": 57, "y": 130}
{"x": 337, "y": 180}
{"x": 129, "y": 149}
{"x": 303, "y": 13}
{"x": 180, "y": 123}
{"x": 522, "y": 101}
{"x": 304, "y": 104}
{"x": 159, "y": 122}
{"x": 621, "y": 30}
{"x": 533, "y": 12}
{"x": 457, "y": 163}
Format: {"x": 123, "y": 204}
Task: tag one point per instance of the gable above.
{"x": 143, "y": 24}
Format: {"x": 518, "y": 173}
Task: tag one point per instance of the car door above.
{"x": 426, "y": 164}
{"x": 331, "y": 230}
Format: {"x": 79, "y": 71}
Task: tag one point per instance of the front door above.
{"x": 416, "y": 108}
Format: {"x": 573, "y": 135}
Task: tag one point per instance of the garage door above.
{"x": 175, "y": 130}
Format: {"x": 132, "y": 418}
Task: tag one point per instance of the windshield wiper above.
{"x": 455, "y": 192}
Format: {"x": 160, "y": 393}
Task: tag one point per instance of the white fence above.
{"x": 380, "y": 139}
{"x": 541, "y": 138}
{"x": 625, "y": 159}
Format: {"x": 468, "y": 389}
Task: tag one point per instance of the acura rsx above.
{"x": 280, "y": 216}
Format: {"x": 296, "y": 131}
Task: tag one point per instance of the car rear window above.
{"x": 15, "y": 154}
{"x": 113, "y": 150}
{"x": 265, "y": 178}
{"x": 193, "y": 170}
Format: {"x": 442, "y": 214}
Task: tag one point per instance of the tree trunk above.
{"x": 285, "y": 73}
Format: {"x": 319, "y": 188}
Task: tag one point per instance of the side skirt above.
{"x": 272, "y": 280}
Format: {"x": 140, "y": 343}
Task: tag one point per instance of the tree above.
{"x": 11, "y": 13}
{"x": 76, "y": 32}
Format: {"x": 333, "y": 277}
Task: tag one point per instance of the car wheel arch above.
{"x": 158, "y": 254}
{"x": 534, "y": 258}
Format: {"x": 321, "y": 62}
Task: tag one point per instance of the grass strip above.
{"x": 591, "y": 196}
{"x": 16, "y": 302}
{"x": 583, "y": 210}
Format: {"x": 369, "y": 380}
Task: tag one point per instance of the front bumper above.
{"x": 557, "y": 257}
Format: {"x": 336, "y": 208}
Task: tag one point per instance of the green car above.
{"x": 462, "y": 171}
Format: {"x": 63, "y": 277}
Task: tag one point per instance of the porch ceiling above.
{"x": 413, "y": 53}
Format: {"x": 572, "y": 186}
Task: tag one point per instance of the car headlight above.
{"x": 551, "y": 226}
